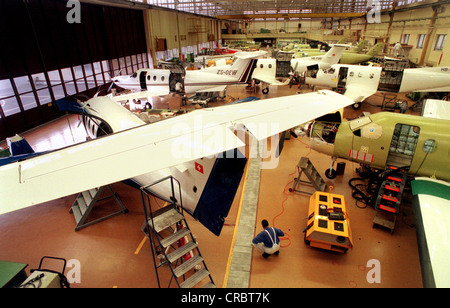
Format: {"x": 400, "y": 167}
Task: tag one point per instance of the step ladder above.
{"x": 389, "y": 198}
{"x": 173, "y": 242}
{"x": 314, "y": 179}
{"x": 85, "y": 201}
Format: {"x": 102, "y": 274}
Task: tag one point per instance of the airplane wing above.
{"x": 184, "y": 138}
{"x": 432, "y": 211}
{"x": 359, "y": 92}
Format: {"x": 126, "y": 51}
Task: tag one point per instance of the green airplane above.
{"x": 348, "y": 57}
{"x": 358, "y": 48}
{"x": 385, "y": 139}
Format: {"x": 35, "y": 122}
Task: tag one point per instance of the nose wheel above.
{"x": 331, "y": 173}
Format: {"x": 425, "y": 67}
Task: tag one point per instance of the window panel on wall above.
{"x": 106, "y": 69}
{"x": 39, "y": 81}
{"x": 58, "y": 92}
{"x": 54, "y": 77}
{"x": 28, "y": 101}
{"x": 22, "y": 84}
{"x": 44, "y": 96}
{"x": 6, "y": 88}
{"x": 98, "y": 73}
{"x": 9, "y": 106}
{"x": 79, "y": 78}
{"x": 68, "y": 81}
{"x": 89, "y": 75}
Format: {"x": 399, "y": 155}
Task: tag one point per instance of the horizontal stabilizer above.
{"x": 140, "y": 95}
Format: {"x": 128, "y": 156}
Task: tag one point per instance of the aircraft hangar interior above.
{"x": 224, "y": 144}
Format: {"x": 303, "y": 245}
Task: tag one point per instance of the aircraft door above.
{"x": 142, "y": 80}
{"x": 176, "y": 77}
{"x": 403, "y": 145}
{"x": 342, "y": 77}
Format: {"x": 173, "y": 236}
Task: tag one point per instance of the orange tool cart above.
{"x": 328, "y": 223}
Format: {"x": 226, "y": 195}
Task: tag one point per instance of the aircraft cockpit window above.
{"x": 429, "y": 146}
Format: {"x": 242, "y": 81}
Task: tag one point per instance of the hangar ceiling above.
{"x": 237, "y": 9}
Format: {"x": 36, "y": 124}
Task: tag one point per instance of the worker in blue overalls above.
{"x": 267, "y": 240}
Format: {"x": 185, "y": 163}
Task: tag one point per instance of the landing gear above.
{"x": 331, "y": 172}
{"x": 356, "y": 106}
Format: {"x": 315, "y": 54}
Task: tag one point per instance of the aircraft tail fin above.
{"x": 333, "y": 55}
{"x": 240, "y": 68}
{"x": 376, "y": 49}
{"x": 361, "y": 45}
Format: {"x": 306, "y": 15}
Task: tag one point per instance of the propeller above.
{"x": 294, "y": 75}
{"x": 112, "y": 80}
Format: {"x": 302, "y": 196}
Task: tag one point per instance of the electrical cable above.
{"x": 286, "y": 196}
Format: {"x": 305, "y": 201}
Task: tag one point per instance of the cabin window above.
{"x": 134, "y": 75}
{"x": 270, "y": 65}
{"x": 154, "y": 78}
{"x": 352, "y": 74}
{"x": 148, "y": 77}
{"x": 261, "y": 66}
{"x": 429, "y": 146}
{"x": 162, "y": 78}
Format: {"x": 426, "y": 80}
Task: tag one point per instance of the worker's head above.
{"x": 264, "y": 223}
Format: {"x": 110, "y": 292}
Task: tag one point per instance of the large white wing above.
{"x": 120, "y": 156}
{"x": 432, "y": 212}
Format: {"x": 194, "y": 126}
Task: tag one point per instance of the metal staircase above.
{"x": 389, "y": 198}
{"x": 305, "y": 166}
{"x": 171, "y": 239}
{"x": 85, "y": 202}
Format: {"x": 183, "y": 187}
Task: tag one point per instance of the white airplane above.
{"x": 178, "y": 80}
{"x": 268, "y": 70}
{"x": 197, "y": 148}
{"x": 359, "y": 82}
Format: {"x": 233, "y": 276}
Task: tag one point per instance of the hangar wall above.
{"x": 170, "y": 33}
{"x": 44, "y": 57}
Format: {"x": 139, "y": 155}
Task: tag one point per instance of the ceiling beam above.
{"x": 293, "y": 15}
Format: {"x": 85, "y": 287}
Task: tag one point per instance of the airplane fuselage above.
{"x": 178, "y": 80}
{"x": 389, "y": 139}
{"x": 370, "y": 79}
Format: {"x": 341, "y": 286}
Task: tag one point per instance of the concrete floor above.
{"x": 114, "y": 253}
